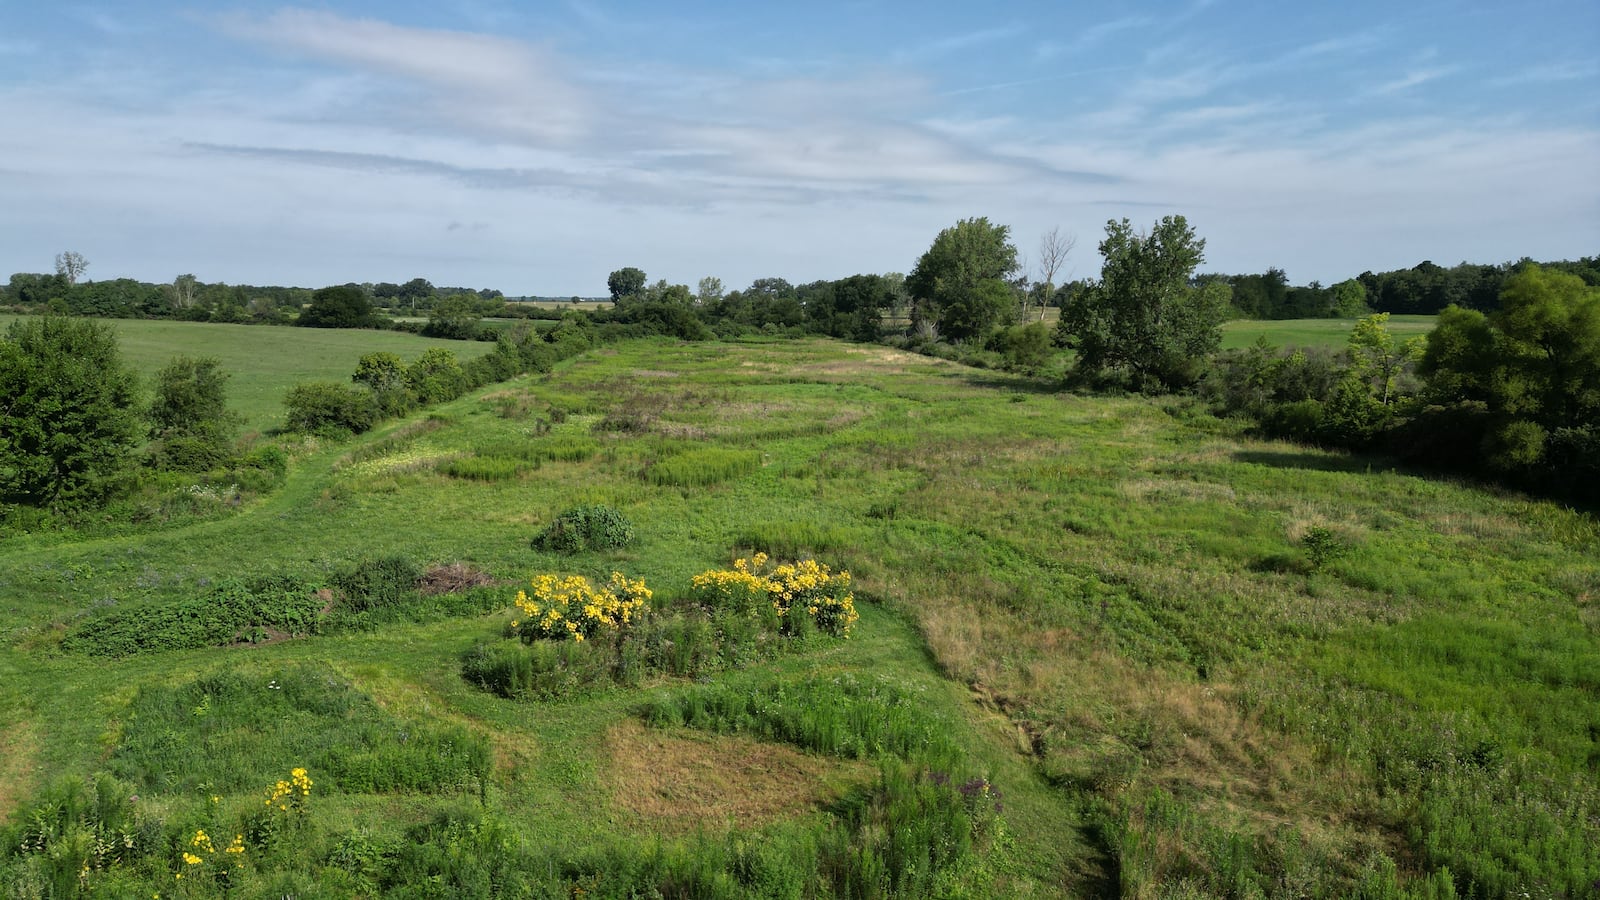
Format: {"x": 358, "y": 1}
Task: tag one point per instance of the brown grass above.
{"x": 19, "y": 746}
{"x": 677, "y": 781}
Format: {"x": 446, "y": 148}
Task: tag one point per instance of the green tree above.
{"x": 1533, "y": 366}
{"x": 344, "y": 306}
{"x": 436, "y": 376}
{"x": 67, "y": 420}
{"x": 1349, "y": 300}
{"x": 960, "y": 282}
{"x": 455, "y": 317}
{"x": 625, "y": 282}
{"x": 1144, "y": 316}
{"x": 384, "y": 373}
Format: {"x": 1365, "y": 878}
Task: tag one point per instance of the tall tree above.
{"x": 625, "y": 282}
{"x": 1054, "y": 248}
{"x": 70, "y": 265}
{"x": 67, "y": 420}
{"x": 344, "y": 306}
{"x": 960, "y": 282}
{"x": 1144, "y": 316}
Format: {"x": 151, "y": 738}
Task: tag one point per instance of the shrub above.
{"x": 573, "y": 609}
{"x": 585, "y": 528}
{"x": 377, "y": 583}
{"x": 324, "y": 407}
{"x": 803, "y": 594}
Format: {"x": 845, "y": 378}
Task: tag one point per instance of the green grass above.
{"x": 1332, "y": 333}
{"x": 264, "y": 362}
{"x": 1087, "y": 596}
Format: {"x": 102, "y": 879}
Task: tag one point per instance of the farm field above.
{"x": 264, "y": 361}
{"x": 1191, "y": 663}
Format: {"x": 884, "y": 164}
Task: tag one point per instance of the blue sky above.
{"x": 536, "y": 147}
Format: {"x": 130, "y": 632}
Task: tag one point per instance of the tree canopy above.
{"x": 1144, "y": 316}
{"x": 67, "y": 418}
{"x": 960, "y": 282}
{"x": 344, "y": 306}
{"x": 625, "y": 282}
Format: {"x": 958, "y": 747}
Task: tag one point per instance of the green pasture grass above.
{"x": 264, "y": 362}
{"x": 1331, "y": 333}
{"x": 1104, "y": 602}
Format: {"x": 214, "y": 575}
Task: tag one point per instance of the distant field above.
{"x": 265, "y": 361}
{"x": 1313, "y": 332}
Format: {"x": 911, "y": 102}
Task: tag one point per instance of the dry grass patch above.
{"x": 19, "y": 746}
{"x": 678, "y": 781}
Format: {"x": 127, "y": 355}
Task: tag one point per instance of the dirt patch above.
{"x": 19, "y": 746}
{"x": 682, "y": 780}
{"x": 654, "y": 373}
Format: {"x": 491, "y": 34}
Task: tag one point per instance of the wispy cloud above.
{"x": 1550, "y": 73}
{"x": 1413, "y": 79}
{"x": 1089, "y": 37}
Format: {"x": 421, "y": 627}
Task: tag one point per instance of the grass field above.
{"x": 1108, "y": 604}
{"x": 264, "y": 361}
{"x": 1331, "y": 333}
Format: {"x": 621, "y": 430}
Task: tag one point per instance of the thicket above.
{"x": 1512, "y": 396}
{"x": 594, "y": 527}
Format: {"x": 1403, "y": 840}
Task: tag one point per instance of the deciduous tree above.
{"x": 67, "y": 419}
{"x": 960, "y": 282}
{"x": 1144, "y": 316}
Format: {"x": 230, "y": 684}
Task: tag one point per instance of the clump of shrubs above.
{"x": 574, "y": 636}
{"x": 582, "y": 528}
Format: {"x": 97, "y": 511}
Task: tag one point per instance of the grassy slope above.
{"x": 265, "y": 362}
{"x": 1109, "y": 590}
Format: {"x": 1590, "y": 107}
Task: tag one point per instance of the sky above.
{"x": 535, "y": 147}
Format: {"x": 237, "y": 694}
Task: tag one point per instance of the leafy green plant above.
{"x": 233, "y": 611}
{"x": 596, "y": 527}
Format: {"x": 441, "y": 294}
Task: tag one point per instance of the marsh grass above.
{"x": 700, "y": 468}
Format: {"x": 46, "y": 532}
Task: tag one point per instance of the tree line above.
{"x": 1507, "y": 386}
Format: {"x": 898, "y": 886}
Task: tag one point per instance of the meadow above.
{"x": 1121, "y": 648}
{"x": 264, "y": 362}
{"x": 1328, "y": 333}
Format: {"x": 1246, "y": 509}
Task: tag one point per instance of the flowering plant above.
{"x": 808, "y": 586}
{"x": 573, "y": 609}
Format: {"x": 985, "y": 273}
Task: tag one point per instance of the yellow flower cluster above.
{"x": 201, "y": 843}
{"x": 573, "y": 609}
{"x": 293, "y": 792}
{"x": 809, "y": 585}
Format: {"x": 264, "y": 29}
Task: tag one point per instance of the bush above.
{"x": 328, "y": 408}
{"x": 378, "y": 583}
{"x": 585, "y": 528}
{"x": 804, "y": 595}
{"x": 573, "y": 609}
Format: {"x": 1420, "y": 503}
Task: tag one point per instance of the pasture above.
{"x": 1195, "y": 664}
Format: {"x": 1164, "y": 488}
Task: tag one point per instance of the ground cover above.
{"x": 1190, "y": 663}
